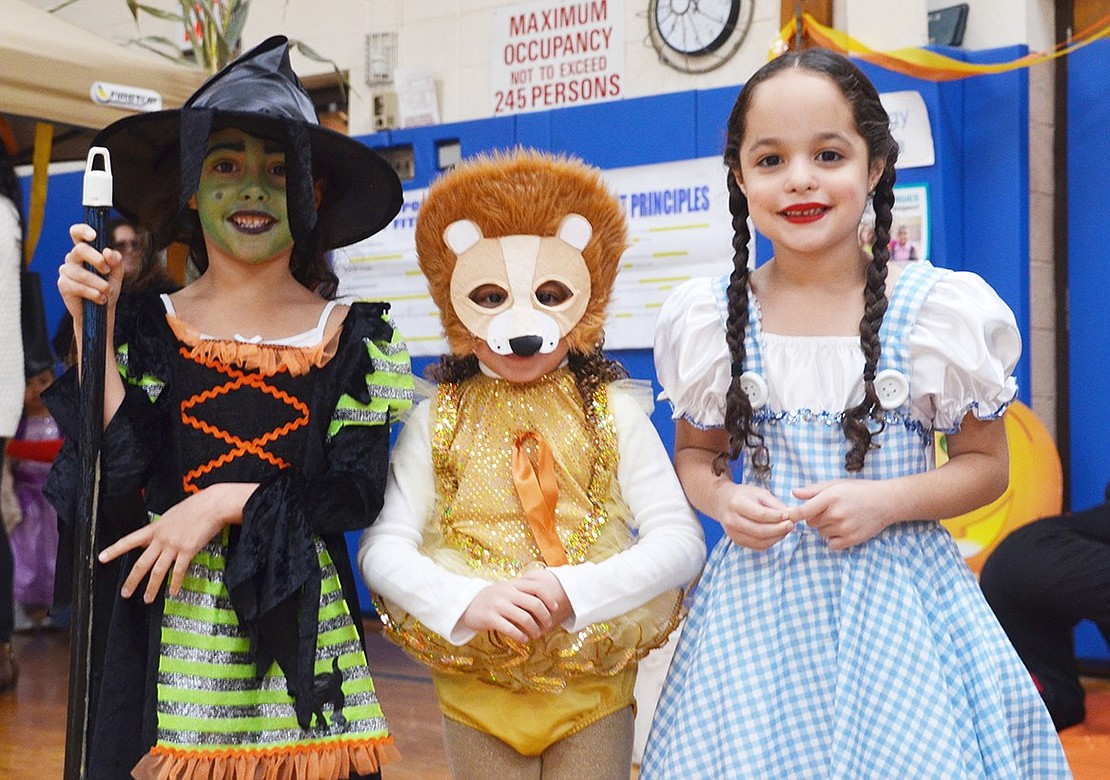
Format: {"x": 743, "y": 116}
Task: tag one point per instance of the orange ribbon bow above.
{"x": 538, "y": 492}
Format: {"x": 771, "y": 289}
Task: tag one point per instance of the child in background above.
{"x": 901, "y": 248}
{"x": 253, "y": 412}
{"x": 534, "y": 540}
{"x": 34, "y": 538}
{"x": 837, "y": 633}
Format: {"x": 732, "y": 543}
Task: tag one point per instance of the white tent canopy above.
{"x": 48, "y": 69}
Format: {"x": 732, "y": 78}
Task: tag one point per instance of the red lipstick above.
{"x": 802, "y": 213}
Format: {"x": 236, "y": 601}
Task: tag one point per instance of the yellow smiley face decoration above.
{"x": 1036, "y": 488}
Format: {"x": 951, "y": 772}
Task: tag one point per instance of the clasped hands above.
{"x": 526, "y": 608}
{"x": 846, "y": 512}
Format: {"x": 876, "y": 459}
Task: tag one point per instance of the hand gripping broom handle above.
{"x": 97, "y": 200}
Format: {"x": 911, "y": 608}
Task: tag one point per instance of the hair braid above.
{"x": 738, "y": 407}
{"x": 855, "y": 425}
{"x": 591, "y": 371}
{"x": 452, "y": 369}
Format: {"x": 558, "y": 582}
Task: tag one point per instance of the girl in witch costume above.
{"x": 534, "y": 540}
{"x": 253, "y": 413}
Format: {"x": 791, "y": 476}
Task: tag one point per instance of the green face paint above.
{"x": 241, "y": 197}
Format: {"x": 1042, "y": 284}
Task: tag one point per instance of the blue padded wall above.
{"x": 1088, "y": 290}
{"x": 63, "y": 208}
{"x": 1088, "y": 270}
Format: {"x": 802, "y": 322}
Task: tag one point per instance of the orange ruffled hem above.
{"x": 269, "y": 359}
{"x": 328, "y": 761}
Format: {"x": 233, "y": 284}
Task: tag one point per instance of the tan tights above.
{"x": 601, "y": 751}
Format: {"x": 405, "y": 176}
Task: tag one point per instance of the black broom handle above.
{"x": 97, "y": 200}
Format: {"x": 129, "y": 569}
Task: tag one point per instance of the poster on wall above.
{"x": 679, "y": 227}
{"x": 909, "y": 229}
{"x": 909, "y": 226}
{"x": 553, "y": 54}
{"x": 417, "y": 101}
{"x": 677, "y": 231}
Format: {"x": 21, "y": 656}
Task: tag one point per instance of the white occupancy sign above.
{"x": 554, "y": 54}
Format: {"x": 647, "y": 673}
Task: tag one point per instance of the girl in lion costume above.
{"x": 534, "y": 542}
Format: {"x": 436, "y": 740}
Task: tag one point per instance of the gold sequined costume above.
{"x": 479, "y": 530}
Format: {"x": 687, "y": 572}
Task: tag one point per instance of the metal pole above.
{"x": 97, "y": 199}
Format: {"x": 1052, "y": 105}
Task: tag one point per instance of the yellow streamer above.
{"x": 929, "y": 65}
{"x": 44, "y": 140}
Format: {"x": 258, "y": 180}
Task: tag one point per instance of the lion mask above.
{"x": 520, "y": 250}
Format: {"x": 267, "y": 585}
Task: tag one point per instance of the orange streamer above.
{"x": 930, "y": 65}
{"x": 538, "y": 492}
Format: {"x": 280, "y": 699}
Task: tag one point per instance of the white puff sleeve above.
{"x": 963, "y": 349}
{"x": 691, "y": 356}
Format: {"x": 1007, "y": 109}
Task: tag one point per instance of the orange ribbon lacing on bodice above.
{"x": 539, "y": 492}
{"x": 239, "y": 447}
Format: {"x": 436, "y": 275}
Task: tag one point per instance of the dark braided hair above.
{"x": 873, "y": 125}
{"x": 738, "y": 408}
{"x": 591, "y": 371}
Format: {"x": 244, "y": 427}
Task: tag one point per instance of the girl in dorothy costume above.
{"x": 253, "y": 414}
{"x": 837, "y": 633}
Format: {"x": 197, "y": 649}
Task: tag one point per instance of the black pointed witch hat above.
{"x": 156, "y": 157}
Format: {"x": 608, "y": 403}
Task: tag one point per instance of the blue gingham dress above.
{"x": 881, "y": 661}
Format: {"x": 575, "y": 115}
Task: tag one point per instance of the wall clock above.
{"x": 696, "y": 36}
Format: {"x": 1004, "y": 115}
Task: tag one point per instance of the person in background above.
{"x": 1041, "y": 581}
{"x": 901, "y": 248}
{"x": 34, "y": 539}
{"x": 867, "y": 236}
{"x": 11, "y": 381}
{"x": 144, "y": 270}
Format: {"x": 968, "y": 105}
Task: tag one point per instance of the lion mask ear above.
{"x": 575, "y": 230}
{"x": 462, "y": 235}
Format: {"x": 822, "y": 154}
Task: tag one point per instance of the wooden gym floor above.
{"x": 33, "y": 716}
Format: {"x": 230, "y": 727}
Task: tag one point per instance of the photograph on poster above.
{"x": 909, "y": 229}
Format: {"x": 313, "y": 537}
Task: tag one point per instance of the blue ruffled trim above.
{"x": 974, "y": 406}
{"x": 836, "y": 419}
{"x": 695, "y": 424}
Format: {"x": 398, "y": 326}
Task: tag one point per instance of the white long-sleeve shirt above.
{"x": 11, "y": 334}
{"x": 669, "y": 550}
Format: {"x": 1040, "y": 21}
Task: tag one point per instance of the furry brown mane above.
{"x": 523, "y": 192}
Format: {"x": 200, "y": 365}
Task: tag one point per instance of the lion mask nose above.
{"x": 525, "y": 346}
